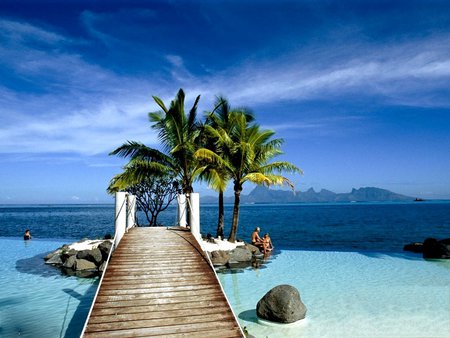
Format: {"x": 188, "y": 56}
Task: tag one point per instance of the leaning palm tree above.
{"x": 246, "y": 154}
{"x": 216, "y": 175}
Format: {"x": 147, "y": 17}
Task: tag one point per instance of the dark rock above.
{"x": 432, "y": 248}
{"x": 94, "y": 255}
{"x": 414, "y": 247}
{"x": 83, "y": 264}
{"x": 219, "y": 257}
{"x": 102, "y": 267}
{"x": 71, "y": 262}
{"x": 240, "y": 254}
{"x": 282, "y": 304}
{"x": 253, "y": 249}
{"x": 105, "y": 248}
{"x": 67, "y": 253}
{"x": 108, "y": 236}
{"x": 51, "y": 254}
{"x": 55, "y": 259}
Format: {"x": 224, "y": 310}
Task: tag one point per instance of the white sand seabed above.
{"x": 220, "y": 244}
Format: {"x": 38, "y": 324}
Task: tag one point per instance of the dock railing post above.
{"x": 121, "y": 216}
{"x": 182, "y": 211}
{"x": 131, "y": 211}
{"x": 194, "y": 214}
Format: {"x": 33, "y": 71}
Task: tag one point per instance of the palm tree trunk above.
{"x": 220, "y": 220}
{"x": 237, "y": 199}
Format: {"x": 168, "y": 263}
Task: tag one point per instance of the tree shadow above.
{"x": 79, "y": 317}
{"x": 249, "y": 316}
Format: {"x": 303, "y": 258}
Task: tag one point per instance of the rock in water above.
{"x": 282, "y": 304}
{"x": 240, "y": 255}
{"x": 432, "y": 248}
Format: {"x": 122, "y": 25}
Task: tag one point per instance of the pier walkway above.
{"x": 159, "y": 283}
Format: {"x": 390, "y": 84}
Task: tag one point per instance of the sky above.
{"x": 358, "y": 90}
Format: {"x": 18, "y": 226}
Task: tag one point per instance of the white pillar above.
{"x": 121, "y": 215}
{"x": 181, "y": 199}
{"x": 131, "y": 211}
{"x": 194, "y": 215}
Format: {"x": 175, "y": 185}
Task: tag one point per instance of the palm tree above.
{"x": 178, "y": 133}
{"x": 246, "y": 152}
{"x": 216, "y": 175}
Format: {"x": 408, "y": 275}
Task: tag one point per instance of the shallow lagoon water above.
{"x": 35, "y": 299}
{"x": 349, "y": 294}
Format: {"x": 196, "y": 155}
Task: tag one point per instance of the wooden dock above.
{"x": 159, "y": 283}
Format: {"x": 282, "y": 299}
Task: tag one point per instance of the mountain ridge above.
{"x": 261, "y": 194}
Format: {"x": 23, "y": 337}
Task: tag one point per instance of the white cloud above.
{"x": 403, "y": 73}
{"x": 76, "y": 106}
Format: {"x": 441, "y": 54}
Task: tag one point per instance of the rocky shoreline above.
{"x": 431, "y": 248}
{"x": 232, "y": 255}
{"x": 86, "y": 258}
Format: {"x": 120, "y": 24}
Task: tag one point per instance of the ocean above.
{"x": 344, "y": 226}
{"x": 340, "y": 256}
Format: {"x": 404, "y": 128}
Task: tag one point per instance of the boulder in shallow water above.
{"x": 414, "y": 247}
{"x": 282, "y": 304}
{"x": 219, "y": 257}
{"x": 54, "y": 259}
{"x": 83, "y": 264}
{"x": 71, "y": 262}
{"x": 433, "y": 248}
{"x": 94, "y": 255}
{"x": 105, "y": 248}
{"x": 240, "y": 254}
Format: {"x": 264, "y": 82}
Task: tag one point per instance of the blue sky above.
{"x": 359, "y": 90}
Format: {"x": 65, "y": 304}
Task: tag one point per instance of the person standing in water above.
{"x": 27, "y": 235}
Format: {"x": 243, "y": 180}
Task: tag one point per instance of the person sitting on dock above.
{"x": 256, "y": 240}
{"x": 27, "y": 235}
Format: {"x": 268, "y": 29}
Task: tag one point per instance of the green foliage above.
{"x": 244, "y": 151}
{"x": 228, "y": 146}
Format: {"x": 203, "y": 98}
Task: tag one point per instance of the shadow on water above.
{"x": 402, "y": 255}
{"x": 36, "y": 266}
{"x": 249, "y": 316}
{"x": 79, "y": 317}
{"x": 9, "y": 301}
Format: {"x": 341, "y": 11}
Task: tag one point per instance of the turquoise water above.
{"x": 349, "y": 294}
{"x": 35, "y": 299}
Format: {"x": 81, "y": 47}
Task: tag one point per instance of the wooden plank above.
{"x": 159, "y": 283}
{"x": 193, "y": 330}
{"x": 161, "y": 307}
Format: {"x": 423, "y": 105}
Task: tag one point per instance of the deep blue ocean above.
{"x": 342, "y": 227}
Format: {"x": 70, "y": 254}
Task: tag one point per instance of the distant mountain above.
{"x": 263, "y": 194}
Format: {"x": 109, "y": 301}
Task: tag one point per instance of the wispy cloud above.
{"x": 69, "y": 104}
{"x": 405, "y": 73}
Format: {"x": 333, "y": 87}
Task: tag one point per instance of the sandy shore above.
{"x": 207, "y": 246}
{"x": 220, "y": 245}
{"x": 86, "y": 245}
